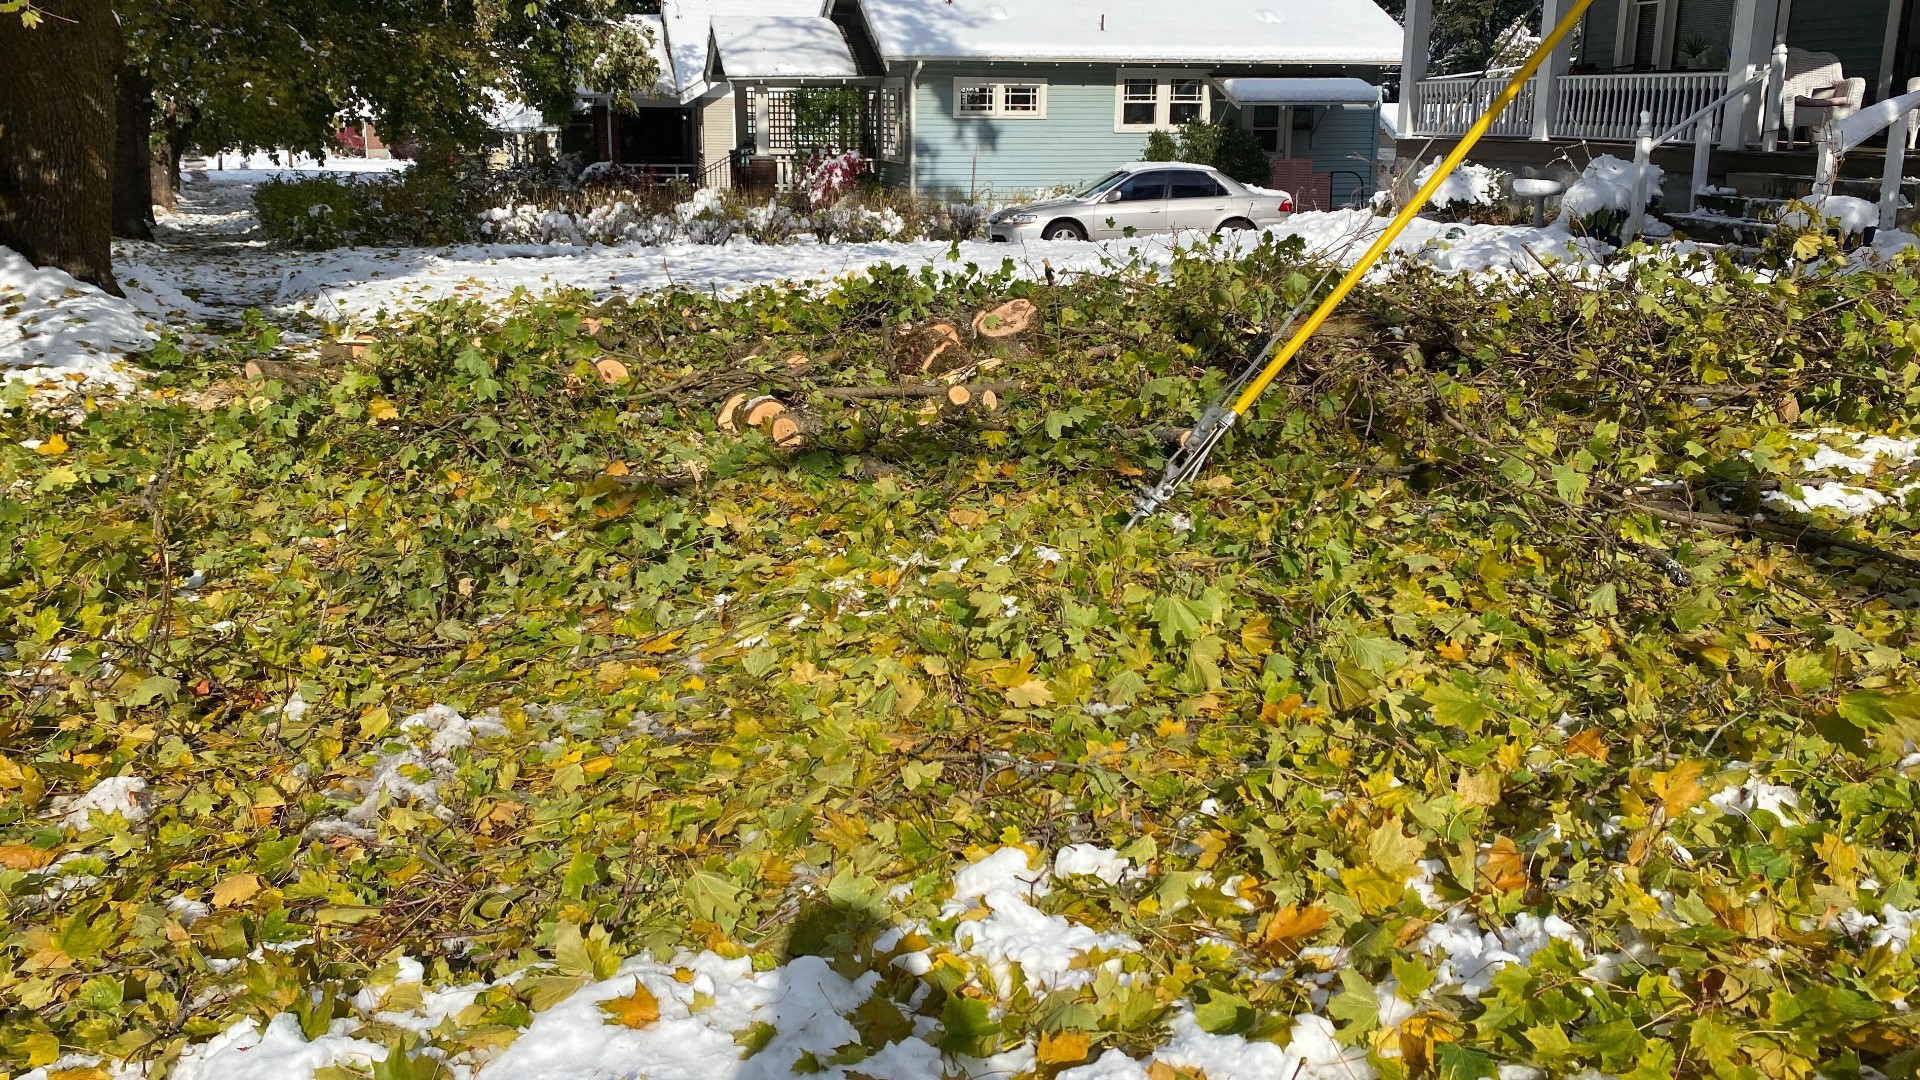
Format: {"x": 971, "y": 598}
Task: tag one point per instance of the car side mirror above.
{"x": 1112, "y": 196}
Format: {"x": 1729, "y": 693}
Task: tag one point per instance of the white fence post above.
{"x": 1702, "y": 155}
{"x": 1637, "y": 199}
{"x": 1890, "y": 178}
{"x": 1825, "y": 163}
{"x": 1773, "y": 109}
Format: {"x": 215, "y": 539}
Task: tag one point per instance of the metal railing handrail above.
{"x": 1703, "y": 131}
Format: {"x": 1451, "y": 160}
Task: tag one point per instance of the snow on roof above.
{"x": 1301, "y": 91}
{"x": 788, "y": 47}
{"x": 1139, "y": 31}
{"x": 689, "y": 30}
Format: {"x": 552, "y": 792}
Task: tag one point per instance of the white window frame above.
{"x": 1283, "y": 140}
{"x": 999, "y": 109}
{"x": 1163, "y": 81}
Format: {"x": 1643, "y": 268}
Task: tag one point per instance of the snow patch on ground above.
{"x": 61, "y": 336}
{"x": 409, "y": 772}
{"x": 123, "y": 795}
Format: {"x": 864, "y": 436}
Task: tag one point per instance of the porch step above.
{"x": 1785, "y": 186}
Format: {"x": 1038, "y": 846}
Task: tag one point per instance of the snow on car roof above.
{"x": 787, "y": 47}
{"x": 1137, "y": 31}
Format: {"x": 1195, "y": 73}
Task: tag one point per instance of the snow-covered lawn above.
{"x": 210, "y": 265}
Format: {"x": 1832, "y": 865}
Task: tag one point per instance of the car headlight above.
{"x": 1019, "y": 219}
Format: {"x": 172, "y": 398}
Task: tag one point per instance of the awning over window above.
{"x": 1300, "y": 91}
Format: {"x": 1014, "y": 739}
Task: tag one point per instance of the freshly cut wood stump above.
{"x": 791, "y": 430}
{"x": 611, "y": 371}
{"x": 1007, "y": 320}
{"x": 944, "y": 336}
{"x": 763, "y": 409}
{"x": 724, "y": 420}
{"x": 989, "y": 401}
{"x": 959, "y": 396}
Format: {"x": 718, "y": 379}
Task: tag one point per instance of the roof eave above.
{"x": 1212, "y": 61}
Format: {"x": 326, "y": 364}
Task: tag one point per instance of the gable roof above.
{"x": 689, "y": 32}
{"x": 1206, "y": 32}
{"x": 787, "y": 47}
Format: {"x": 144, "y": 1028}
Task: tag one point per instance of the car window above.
{"x": 1100, "y": 186}
{"x": 1188, "y": 184}
{"x": 1144, "y": 187}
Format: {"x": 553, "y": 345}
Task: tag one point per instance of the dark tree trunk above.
{"x": 160, "y": 176}
{"x": 133, "y": 157}
{"x": 57, "y": 104}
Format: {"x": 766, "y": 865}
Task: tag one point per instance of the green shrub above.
{"x": 1160, "y": 147}
{"x": 1239, "y": 155}
{"x": 423, "y": 206}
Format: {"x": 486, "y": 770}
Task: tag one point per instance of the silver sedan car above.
{"x": 1145, "y": 197}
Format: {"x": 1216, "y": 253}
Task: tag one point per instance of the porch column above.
{"x": 762, "y": 121}
{"x": 1415, "y": 39}
{"x": 1750, "y": 51}
{"x": 1546, "y": 87}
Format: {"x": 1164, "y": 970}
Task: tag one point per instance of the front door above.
{"x": 1140, "y": 204}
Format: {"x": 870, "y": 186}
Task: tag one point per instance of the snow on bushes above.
{"x": 1602, "y": 199}
{"x": 1467, "y": 186}
{"x": 1851, "y": 215}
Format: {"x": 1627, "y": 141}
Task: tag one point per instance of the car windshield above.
{"x": 1102, "y": 185}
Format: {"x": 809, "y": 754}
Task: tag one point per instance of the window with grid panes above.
{"x": 1186, "y": 101}
{"x": 1140, "y": 102}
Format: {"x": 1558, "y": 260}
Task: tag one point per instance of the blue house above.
{"x": 1005, "y": 97}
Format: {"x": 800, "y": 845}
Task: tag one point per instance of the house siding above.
{"x": 1344, "y": 142}
{"x": 717, "y": 138}
{"x": 1597, "y": 38}
{"x": 1853, "y": 30}
{"x": 1075, "y": 143}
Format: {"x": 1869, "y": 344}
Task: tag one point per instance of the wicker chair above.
{"x": 1817, "y": 90}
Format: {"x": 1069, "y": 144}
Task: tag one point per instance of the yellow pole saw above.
{"x": 1243, "y": 392}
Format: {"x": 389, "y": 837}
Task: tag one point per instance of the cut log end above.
{"x": 990, "y": 401}
{"x": 611, "y": 371}
{"x": 1007, "y": 320}
{"x": 787, "y": 433}
{"x": 959, "y": 396}
{"x": 724, "y": 420}
{"x": 761, "y": 410}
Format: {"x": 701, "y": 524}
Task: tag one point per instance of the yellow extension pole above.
{"x": 1407, "y": 213}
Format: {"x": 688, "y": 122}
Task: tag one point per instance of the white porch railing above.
{"x": 1608, "y": 107}
{"x": 1605, "y": 108}
{"x": 1449, "y": 106}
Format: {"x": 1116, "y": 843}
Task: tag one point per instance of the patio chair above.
{"x": 1913, "y": 118}
{"x": 1816, "y": 91}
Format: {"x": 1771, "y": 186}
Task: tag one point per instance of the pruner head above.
{"x": 1185, "y": 463}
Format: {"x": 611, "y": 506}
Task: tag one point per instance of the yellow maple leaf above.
{"x": 664, "y": 644}
{"x": 1452, "y": 651}
{"x": 1063, "y": 1047}
{"x": 637, "y": 1010}
{"x": 1030, "y": 694}
{"x": 1680, "y": 787}
{"x": 1289, "y": 928}
{"x": 1588, "y": 743}
{"x": 55, "y": 444}
{"x": 24, "y": 857}
{"x": 1505, "y": 868}
{"x": 237, "y": 889}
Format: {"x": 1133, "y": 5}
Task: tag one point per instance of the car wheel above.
{"x": 1064, "y": 230}
{"x": 1235, "y": 225}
